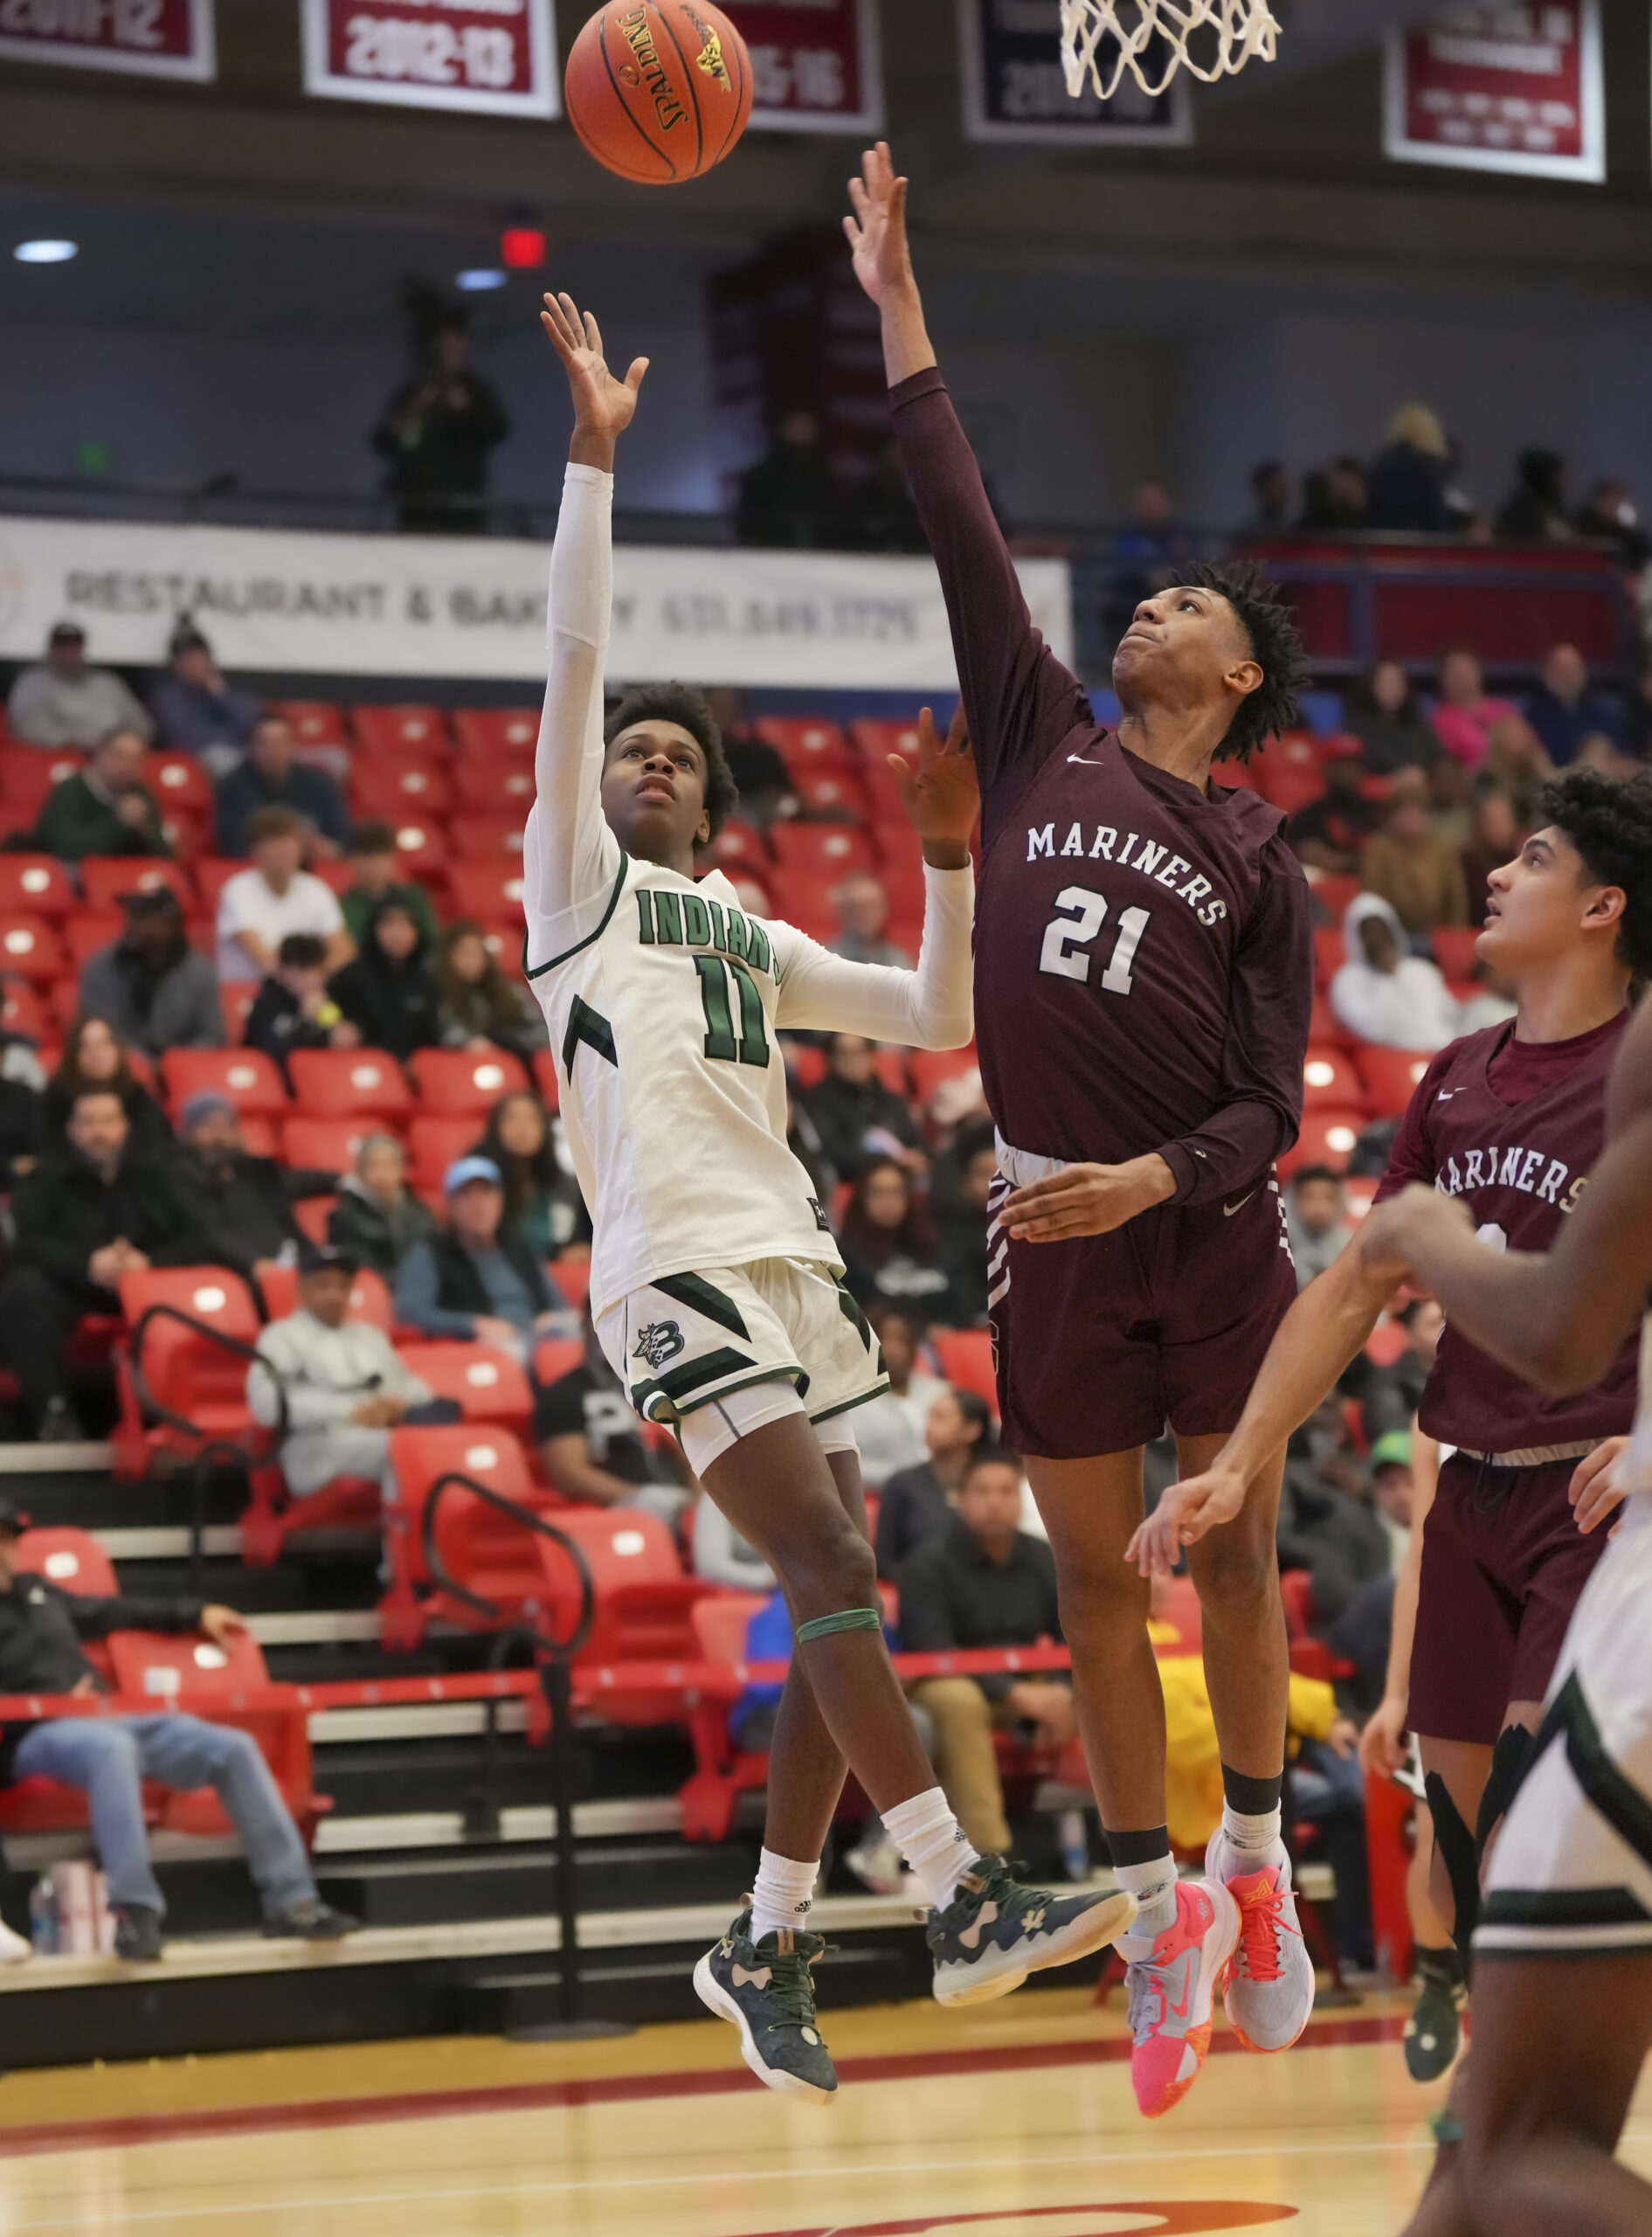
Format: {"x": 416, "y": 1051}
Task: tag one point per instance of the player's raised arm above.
{"x": 570, "y": 858}
{"x": 1018, "y": 695}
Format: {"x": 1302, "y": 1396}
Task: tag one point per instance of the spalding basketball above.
{"x": 659, "y": 90}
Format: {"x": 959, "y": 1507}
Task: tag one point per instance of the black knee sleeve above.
{"x": 1461, "y": 1857}
{"x": 1509, "y": 1761}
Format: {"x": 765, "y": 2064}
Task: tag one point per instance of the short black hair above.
{"x": 1305, "y": 1173}
{"x": 1275, "y": 642}
{"x": 301, "y": 951}
{"x": 1609, "y": 821}
{"x": 683, "y": 704}
{"x": 987, "y": 1455}
{"x": 372, "y": 839}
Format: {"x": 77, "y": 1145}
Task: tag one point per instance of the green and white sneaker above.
{"x": 1434, "y": 2032}
{"x": 767, "y": 1990}
{"x": 994, "y": 1932}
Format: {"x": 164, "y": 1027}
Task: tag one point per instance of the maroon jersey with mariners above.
{"x": 1512, "y": 1127}
{"x": 1144, "y": 974}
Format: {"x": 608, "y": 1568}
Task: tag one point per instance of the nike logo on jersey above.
{"x": 1229, "y": 1210}
{"x": 1085, "y": 761}
{"x": 1445, "y": 1095}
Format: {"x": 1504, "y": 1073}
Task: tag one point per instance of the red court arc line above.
{"x": 538, "y": 2096}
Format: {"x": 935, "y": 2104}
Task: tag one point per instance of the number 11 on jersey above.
{"x": 1084, "y": 913}
{"x": 752, "y": 1045}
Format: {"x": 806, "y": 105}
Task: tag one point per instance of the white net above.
{"x": 1243, "y": 31}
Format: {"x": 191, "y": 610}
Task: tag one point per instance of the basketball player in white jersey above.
{"x": 715, "y": 1286}
{"x": 1563, "y": 1951}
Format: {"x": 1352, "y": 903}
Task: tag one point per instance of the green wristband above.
{"x": 847, "y": 1619}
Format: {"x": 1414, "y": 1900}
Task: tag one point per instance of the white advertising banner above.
{"x": 279, "y": 600}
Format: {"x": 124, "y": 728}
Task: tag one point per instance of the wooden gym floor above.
{"x": 1014, "y": 2122}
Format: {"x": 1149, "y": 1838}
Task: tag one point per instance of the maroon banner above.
{"x": 815, "y": 64}
{"x": 497, "y": 56}
{"x": 1501, "y": 88}
{"x": 160, "y": 39}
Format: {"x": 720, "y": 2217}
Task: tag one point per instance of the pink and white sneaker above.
{"x": 1268, "y": 1992}
{"x": 1171, "y": 1988}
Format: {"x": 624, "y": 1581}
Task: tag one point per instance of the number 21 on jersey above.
{"x": 1068, "y": 937}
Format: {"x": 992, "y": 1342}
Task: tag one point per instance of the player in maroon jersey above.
{"x": 1508, "y": 1122}
{"x": 1143, "y": 989}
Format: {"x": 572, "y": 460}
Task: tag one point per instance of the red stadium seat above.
{"x": 874, "y": 740}
{"x": 1327, "y": 1138}
{"x": 545, "y": 1079}
{"x": 740, "y": 845}
{"x": 1329, "y": 954}
{"x": 1331, "y": 1081}
{"x": 107, "y": 879}
{"x": 27, "y": 774}
{"x": 469, "y": 1532}
{"x": 965, "y": 1356}
{"x": 572, "y": 1278}
{"x": 179, "y": 784}
{"x": 315, "y": 722}
{"x": 339, "y": 1082}
{"x": 211, "y": 874}
{"x": 432, "y": 1144}
{"x": 487, "y": 891}
{"x": 1453, "y": 949}
{"x": 83, "y": 936}
{"x": 399, "y": 729}
{"x": 369, "y": 1297}
{"x": 492, "y": 785}
{"x": 251, "y": 1080}
{"x": 325, "y": 1145}
{"x": 488, "y": 1383}
{"x": 932, "y": 1068}
{"x": 556, "y": 1356}
{"x": 817, "y": 850}
{"x": 753, "y": 891}
{"x": 1333, "y": 895}
{"x": 21, "y": 1009}
{"x": 491, "y": 731}
{"x": 1391, "y": 1077}
{"x": 831, "y": 792}
{"x": 30, "y": 946}
{"x": 1326, "y": 1029}
{"x": 805, "y": 741}
{"x": 202, "y": 1383}
{"x": 71, "y": 1559}
{"x": 486, "y": 838}
{"x": 36, "y": 885}
{"x": 421, "y": 843}
{"x": 1288, "y": 771}
{"x": 723, "y": 1772}
{"x": 457, "y": 1082}
{"x": 398, "y": 786}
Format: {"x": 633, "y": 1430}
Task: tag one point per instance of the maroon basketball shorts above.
{"x": 1103, "y": 1341}
{"x": 1503, "y": 1563}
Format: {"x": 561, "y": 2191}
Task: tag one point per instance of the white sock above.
{"x": 1261, "y": 1832}
{"x": 783, "y": 1894}
{"x": 933, "y": 1843}
{"x": 1154, "y": 1887}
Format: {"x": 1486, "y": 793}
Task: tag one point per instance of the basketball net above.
{"x": 1244, "y": 29}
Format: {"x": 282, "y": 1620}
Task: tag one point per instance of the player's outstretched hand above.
{"x": 941, "y": 796}
{"x": 603, "y": 406}
{"x": 1382, "y": 1744}
{"x": 877, "y": 230}
{"x": 1595, "y": 1491}
{"x": 1182, "y": 1518}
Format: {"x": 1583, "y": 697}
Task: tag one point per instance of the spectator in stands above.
{"x": 259, "y": 906}
{"x": 1316, "y": 1218}
{"x": 879, "y": 514}
{"x": 377, "y": 1218}
{"x": 436, "y": 432}
{"x": 105, "y": 808}
{"x": 295, "y": 1008}
{"x": 1463, "y": 714}
{"x": 1330, "y": 832}
{"x": 242, "y": 1204}
{"x": 916, "y": 1502}
{"x": 152, "y": 989}
{"x": 890, "y": 1429}
{"x": 1385, "y": 715}
{"x": 758, "y": 769}
{"x": 856, "y": 1115}
{"x": 1450, "y": 801}
{"x": 480, "y": 1008}
{"x": 1409, "y": 482}
{"x": 983, "y": 1582}
{"x": 863, "y": 910}
{"x": 344, "y": 1385}
{"x": 61, "y": 701}
{"x": 195, "y": 710}
{"x": 1535, "y": 509}
{"x": 1327, "y": 1524}
{"x": 270, "y": 775}
{"x": 718, "y": 1555}
{"x": 93, "y": 1057}
{"x": 1336, "y": 500}
{"x": 958, "y": 1200}
{"x": 388, "y": 992}
{"x": 1608, "y": 514}
{"x": 372, "y": 854}
{"x": 1563, "y": 710}
{"x": 22, "y": 1131}
{"x": 41, "y": 1627}
{"x": 1393, "y": 1486}
{"x": 595, "y": 1446}
{"x": 1272, "y": 496}
{"x": 90, "y": 1212}
{"x": 1385, "y": 993}
{"x": 542, "y": 1201}
{"x": 1516, "y": 758}
{"x": 1391, "y": 1395}
{"x": 1418, "y": 873}
{"x": 889, "y": 1244}
{"x": 476, "y": 1278}
{"x": 803, "y": 1140}
{"x": 1491, "y": 1003}
{"x": 1146, "y": 552}
{"x": 788, "y": 499}
{"x": 1495, "y": 840}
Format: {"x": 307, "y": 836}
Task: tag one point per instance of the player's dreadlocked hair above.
{"x": 1275, "y": 642}
{"x": 683, "y": 704}
{"x": 1610, "y": 824}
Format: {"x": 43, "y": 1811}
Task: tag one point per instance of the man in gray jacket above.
{"x": 62, "y": 700}
{"x": 152, "y": 989}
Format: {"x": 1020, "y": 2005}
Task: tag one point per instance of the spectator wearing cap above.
{"x": 259, "y": 906}
{"x": 153, "y": 989}
{"x": 1329, "y": 832}
{"x": 294, "y": 1009}
{"x": 270, "y": 775}
{"x": 241, "y": 1204}
{"x": 62, "y": 701}
{"x": 93, "y": 1057}
{"x": 90, "y": 1212}
{"x": 477, "y": 1278}
{"x": 377, "y": 1218}
{"x": 108, "y": 1757}
{"x": 105, "y": 808}
{"x": 1316, "y": 1220}
{"x": 1391, "y": 1487}
{"x": 1564, "y": 709}
{"x": 372, "y": 857}
{"x": 195, "y": 710}
{"x": 344, "y": 1386}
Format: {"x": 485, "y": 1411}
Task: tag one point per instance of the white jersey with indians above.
{"x": 663, "y": 996}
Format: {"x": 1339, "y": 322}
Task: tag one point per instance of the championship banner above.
{"x": 279, "y": 600}
{"x": 1014, "y": 87}
{"x": 495, "y": 57}
{"x": 815, "y": 64}
{"x": 158, "y": 38}
{"x": 1500, "y": 89}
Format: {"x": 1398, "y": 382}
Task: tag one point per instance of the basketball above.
{"x": 659, "y": 90}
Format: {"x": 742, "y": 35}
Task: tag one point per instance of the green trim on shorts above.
{"x": 848, "y": 1405}
{"x": 795, "y": 1375}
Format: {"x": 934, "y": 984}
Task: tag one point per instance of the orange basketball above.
{"x": 659, "y": 90}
